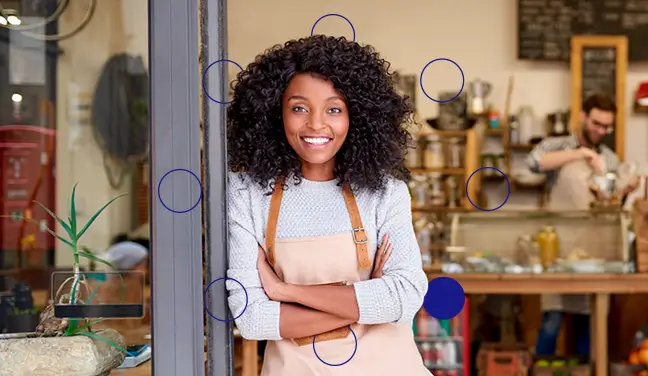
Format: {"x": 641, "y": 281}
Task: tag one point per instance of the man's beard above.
{"x": 587, "y": 138}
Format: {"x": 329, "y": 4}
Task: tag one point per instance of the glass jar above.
{"x": 437, "y": 194}
{"x": 419, "y": 187}
{"x": 413, "y": 156}
{"x": 455, "y": 153}
{"x": 488, "y": 161}
{"x": 500, "y": 163}
{"x": 433, "y": 154}
{"x": 548, "y": 243}
{"x": 453, "y": 192}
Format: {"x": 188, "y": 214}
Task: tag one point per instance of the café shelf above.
{"x": 505, "y": 241}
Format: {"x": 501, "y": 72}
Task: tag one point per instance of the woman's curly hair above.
{"x": 377, "y": 140}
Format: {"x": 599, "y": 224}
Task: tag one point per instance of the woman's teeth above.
{"x": 316, "y": 140}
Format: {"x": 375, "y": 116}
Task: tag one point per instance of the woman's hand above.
{"x": 272, "y": 285}
{"x": 382, "y": 255}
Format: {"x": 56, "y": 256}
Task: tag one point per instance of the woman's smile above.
{"x": 316, "y": 142}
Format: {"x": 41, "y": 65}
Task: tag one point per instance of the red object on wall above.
{"x": 26, "y": 174}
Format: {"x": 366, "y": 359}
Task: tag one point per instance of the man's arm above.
{"x": 551, "y": 154}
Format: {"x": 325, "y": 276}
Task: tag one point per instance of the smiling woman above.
{"x": 320, "y": 227}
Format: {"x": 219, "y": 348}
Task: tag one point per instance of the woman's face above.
{"x": 316, "y": 121}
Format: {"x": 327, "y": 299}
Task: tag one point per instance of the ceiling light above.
{"x": 3, "y": 21}
{"x": 16, "y": 98}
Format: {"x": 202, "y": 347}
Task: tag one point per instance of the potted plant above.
{"x": 61, "y": 346}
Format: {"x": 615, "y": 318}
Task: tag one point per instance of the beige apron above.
{"x": 381, "y": 350}
{"x": 570, "y": 192}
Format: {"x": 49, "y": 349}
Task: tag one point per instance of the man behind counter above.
{"x": 568, "y": 162}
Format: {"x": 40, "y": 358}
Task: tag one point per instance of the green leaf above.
{"x": 65, "y": 226}
{"x": 92, "y": 257}
{"x": 72, "y": 327}
{"x": 46, "y": 229}
{"x": 87, "y": 325}
{"x": 94, "y": 217}
{"x": 73, "y": 220}
{"x": 93, "y": 294}
{"x": 103, "y": 339}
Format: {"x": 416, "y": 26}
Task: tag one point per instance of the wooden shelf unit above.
{"x": 471, "y": 163}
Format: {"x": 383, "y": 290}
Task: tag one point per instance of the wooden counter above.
{"x": 491, "y": 283}
{"x": 598, "y": 286}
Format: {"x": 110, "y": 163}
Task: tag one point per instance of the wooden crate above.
{"x": 496, "y": 359}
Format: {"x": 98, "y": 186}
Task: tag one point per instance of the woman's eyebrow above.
{"x": 297, "y": 97}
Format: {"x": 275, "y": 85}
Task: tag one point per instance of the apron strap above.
{"x": 358, "y": 232}
{"x": 273, "y": 219}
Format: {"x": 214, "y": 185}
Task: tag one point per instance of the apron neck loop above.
{"x": 359, "y": 234}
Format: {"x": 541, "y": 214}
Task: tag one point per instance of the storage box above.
{"x": 495, "y": 359}
{"x": 583, "y": 368}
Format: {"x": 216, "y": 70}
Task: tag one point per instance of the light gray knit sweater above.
{"x": 318, "y": 209}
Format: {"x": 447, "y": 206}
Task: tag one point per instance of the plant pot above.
{"x": 61, "y": 356}
{"x": 22, "y": 323}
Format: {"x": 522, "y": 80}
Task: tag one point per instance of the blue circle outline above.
{"x": 334, "y": 15}
{"x": 463, "y": 80}
{"x": 207, "y": 290}
{"x": 346, "y": 361}
{"x": 204, "y": 77}
{"x": 194, "y": 205}
{"x": 508, "y": 184}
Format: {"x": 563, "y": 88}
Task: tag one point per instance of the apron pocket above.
{"x": 331, "y": 335}
{"x": 339, "y": 333}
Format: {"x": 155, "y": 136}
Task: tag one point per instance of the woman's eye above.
{"x": 298, "y": 109}
{"x": 335, "y": 110}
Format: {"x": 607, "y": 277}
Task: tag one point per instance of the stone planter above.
{"x": 61, "y": 356}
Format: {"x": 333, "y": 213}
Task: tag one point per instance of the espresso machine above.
{"x": 479, "y": 91}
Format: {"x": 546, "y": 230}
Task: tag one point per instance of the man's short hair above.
{"x": 599, "y": 101}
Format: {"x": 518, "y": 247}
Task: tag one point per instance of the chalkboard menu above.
{"x": 599, "y": 65}
{"x": 545, "y": 27}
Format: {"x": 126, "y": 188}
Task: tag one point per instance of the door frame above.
{"x": 176, "y": 258}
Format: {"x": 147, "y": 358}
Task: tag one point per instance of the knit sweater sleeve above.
{"x": 259, "y": 318}
{"x": 398, "y": 295}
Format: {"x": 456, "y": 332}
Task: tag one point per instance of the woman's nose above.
{"x": 316, "y": 121}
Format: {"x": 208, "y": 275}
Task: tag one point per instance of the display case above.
{"x": 593, "y": 241}
{"x": 444, "y": 344}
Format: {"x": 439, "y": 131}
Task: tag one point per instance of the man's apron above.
{"x": 570, "y": 192}
{"x": 384, "y": 349}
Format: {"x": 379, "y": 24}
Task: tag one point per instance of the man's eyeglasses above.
{"x": 607, "y": 128}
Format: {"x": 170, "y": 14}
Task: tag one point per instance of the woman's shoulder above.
{"x": 241, "y": 185}
{"x": 393, "y": 191}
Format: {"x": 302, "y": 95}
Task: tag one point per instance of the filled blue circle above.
{"x": 204, "y": 79}
{"x": 508, "y": 187}
{"x": 346, "y": 361}
{"x": 160, "y": 194}
{"x": 207, "y": 290}
{"x": 444, "y": 299}
{"x": 463, "y": 80}
{"x": 334, "y": 15}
